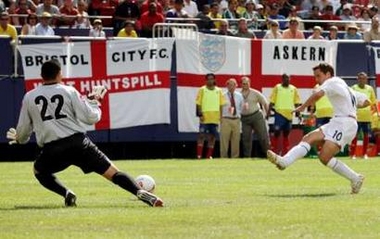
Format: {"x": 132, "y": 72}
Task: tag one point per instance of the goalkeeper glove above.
{"x": 97, "y": 94}
{"x": 12, "y": 136}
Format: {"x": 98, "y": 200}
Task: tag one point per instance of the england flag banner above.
{"x": 135, "y": 71}
{"x": 226, "y": 57}
{"x": 295, "y": 58}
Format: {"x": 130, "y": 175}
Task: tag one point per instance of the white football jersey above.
{"x": 53, "y": 112}
{"x": 343, "y": 99}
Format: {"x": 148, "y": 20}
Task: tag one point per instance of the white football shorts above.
{"x": 340, "y": 130}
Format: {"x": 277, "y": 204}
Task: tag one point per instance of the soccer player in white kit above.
{"x": 57, "y": 114}
{"x": 334, "y": 135}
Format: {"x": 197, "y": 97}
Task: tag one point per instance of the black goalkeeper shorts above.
{"x": 76, "y": 150}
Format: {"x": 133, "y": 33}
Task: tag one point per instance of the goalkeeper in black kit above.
{"x": 57, "y": 114}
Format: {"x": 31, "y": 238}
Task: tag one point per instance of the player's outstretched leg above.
{"x": 50, "y": 182}
{"x": 275, "y": 159}
{"x": 126, "y": 182}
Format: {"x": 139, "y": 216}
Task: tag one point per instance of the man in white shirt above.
{"x": 334, "y": 135}
{"x": 58, "y": 114}
{"x": 43, "y": 28}
{"x": 190, "y": 7}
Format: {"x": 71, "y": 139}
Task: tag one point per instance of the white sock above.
{"x": 297, "y": 152}
{"x": 342, "y": 169}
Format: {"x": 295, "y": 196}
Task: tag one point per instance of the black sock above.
{"x": 125, "y": 182}
{"x": 50, "y": 182}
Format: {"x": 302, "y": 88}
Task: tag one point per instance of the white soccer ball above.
{"x": 146, "y": 182}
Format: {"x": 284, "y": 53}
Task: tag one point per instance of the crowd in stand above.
{"x": 135, "y": 18}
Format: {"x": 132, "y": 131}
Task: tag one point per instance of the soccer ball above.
{"x": 146, "y": 182}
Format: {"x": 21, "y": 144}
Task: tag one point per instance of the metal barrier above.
{"x": 177, "y": 30}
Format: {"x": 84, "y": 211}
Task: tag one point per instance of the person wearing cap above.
{"x": 352, "y": 33}
{"x": 209, "y": 103}
{"x": 243, "y": 30}
{"x": 373, "y": 33}
{"x": 261, "y": 17}
{"x": 273, "y": 32}
{"x": 97, "y": 29}
{"x": 128, "y": 30}
{"x": 43, "y": 28}
{"x": 293, "y": 32}
{"x": 347, "y": 13}
{"x": 251, "y": 15}
{"x": 274, "y": 15}
{"x": 283, "y": 100}
{"x": 333, "y": 33}
{"x": 7, "y": 29}
{"x": 317, "y": 34}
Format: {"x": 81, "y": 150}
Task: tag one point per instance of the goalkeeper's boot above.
{"x": 356, "y": 185}
{"x": 275, "y": 159}
{"x": 70, "y": 199}
{"x": 149, "y": 198}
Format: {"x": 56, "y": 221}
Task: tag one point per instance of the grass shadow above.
{"x": 319, "y": 195}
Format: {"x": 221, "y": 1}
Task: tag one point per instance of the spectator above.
{"x": 293, "y": 14}
{"x": 148, "y": 19}
{"x": 375, "y": 127}
{"x": 128, "y": 30}
{"x": 7, "y": 29}
{"x": 29, "y": 27}
{"x": 215, "y": 15}
{"x": 2, "y": 6}
{"x": 97, "y": 29}
{"x": 230, "y": 122}
{"x": 364, "y": 16}
{"x": 243, "y": 30}
{"x": 340, "y": 10}
{"x": 49, "y": 7}
{"x": 333, "y": 33}
{"x": 13, "y": 20}
{"x": 145, "y": 6}
{"x": 82, "y": 20}
{"x": 363, "y": 115}
{"x": 231, "y": 14}
{"x": 285, "y": 8}
{"x": 127, "y": 10}
{"x": 352, "y": 33}
{"x": 315, "y": 15}
{"x": 241, "y": 7}
{"x": 209, "y": 102}
{"x": 372, "y": 34}
{"x": 372, "y": 10}
{"x": 224, "y": 29}
{"x": 191, "y": 8}
{"x": 284, "y": 99}
{"x": 177, "y": 11}
{"x": 68, "y": 14}
{"x": 273, "y": 32}
{"x": 251, "y": 15}
{"x": 252, "y": 118}
{"x": 329, "y": 15}
{"x": 23, "y": 9}
{"x": 347, "y": 14}
{"x": 292, "y": 32}
{"x": 261, "y": 15}
{"x": 205, "y": 23}
{"x": 317, "y": 34}
{"x": 273, "y": 15}
{"x": 43, "y": 28}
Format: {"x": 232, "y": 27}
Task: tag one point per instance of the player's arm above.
{"x": 22, "y": 133}
{"x": 310, "y": 101}
{"x": 86, "y": 110}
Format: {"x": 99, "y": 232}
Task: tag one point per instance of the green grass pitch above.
{"x": 219, "y": 198}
